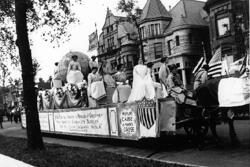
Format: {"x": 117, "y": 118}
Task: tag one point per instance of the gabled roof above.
{"x": 125, "y": 28}
{"x": 154, "y": 9}
{"x": 187, "y": 13}
{"x": 111, "y": 18}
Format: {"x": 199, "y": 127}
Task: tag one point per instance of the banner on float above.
{"x": 128, "y": 121}
{"x": 23, "y": 120}
{"x": 44, "y": 121}
{"x": 89, "y": 122}
{"x": 113, "y": 122}
{"x": 51, "y": 122}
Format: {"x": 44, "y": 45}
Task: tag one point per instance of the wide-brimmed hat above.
{"x": 74, "y": 56}
{"x": 172, "y": 67}
{"x": 150, "y": 64}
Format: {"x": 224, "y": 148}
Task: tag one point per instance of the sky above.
{"x": 89, "y": 13}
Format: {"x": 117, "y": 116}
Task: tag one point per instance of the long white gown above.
{"x": 143, "y": 85}
{"x": 74, "y": 74}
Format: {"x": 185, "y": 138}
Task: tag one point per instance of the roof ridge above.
{"x": 154, "y": 9}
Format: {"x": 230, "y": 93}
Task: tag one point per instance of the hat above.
{"x": 93, "y": 57}
{"x": 172, "y": 67}
{"x": 150, "y": 64}
{"x": 74, "y": 56}
{"x": 164, "y": 59}
{"x": 56, "y": 63}
{"x": 119, "y": 66}
{"x": 94, "y": 68}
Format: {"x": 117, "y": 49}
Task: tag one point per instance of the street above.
{"x": 168, "y": 149}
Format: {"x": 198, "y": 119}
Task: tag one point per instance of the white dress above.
{"x": 74, "y": 74}
{"x": 143, "y": 85}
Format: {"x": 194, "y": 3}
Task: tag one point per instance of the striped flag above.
{"x": 147, "y": 113}
{"x": 199, "y": 65}
{"x": 215, "y": 64}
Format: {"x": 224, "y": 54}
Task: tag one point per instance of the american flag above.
{"x": 215, "y": 64}
{"x": 147, "y": 112}
{"x": 93, "y": 41}
{"x": 199, "y": 65}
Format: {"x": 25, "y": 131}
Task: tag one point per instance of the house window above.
{"x": 157, "y": 29}
{"x": 124, "y": 61}
{"x": 177, "y": 40}
{"x": 110, "y": 42}
{"x": 149, "y": 31}
{"x": 143, "y": 32}
{"x": 111, "y": 28}
{"x": 223, "y": 24}
{"x": 158, "y": 50}
{"x": 152, "y": 29}
{"x": 130, "y": 61}
{"x": 169, "y": 47}
{"x": 113, "y": 64}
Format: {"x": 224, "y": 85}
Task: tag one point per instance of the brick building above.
{"x": 229, "y": 26}
{"x": 178, "y": 34}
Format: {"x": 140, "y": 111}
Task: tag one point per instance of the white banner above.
{"x": 128, "y": 121}
{"x": 51, "y": 122}
{"x": 23, "y": 119}
{"x": 93, "y": 122}
{"x": 113, "y": 121}
{"x": 44, "y": 121}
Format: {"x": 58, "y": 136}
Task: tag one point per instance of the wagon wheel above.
{"x": 198, "y": 129}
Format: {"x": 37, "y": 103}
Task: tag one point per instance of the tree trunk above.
{"x": 30, "y": 98}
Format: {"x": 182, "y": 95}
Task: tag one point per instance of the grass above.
{"x": 62, "y": 156}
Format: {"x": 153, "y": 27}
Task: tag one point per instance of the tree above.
{"x": 4, "y": 73}
{"x": 128, "y": 7}
{"x": 52, "y": 17}
{"x": 36, "y": 66}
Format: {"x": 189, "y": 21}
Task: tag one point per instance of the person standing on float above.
{"x": 164, "y": 72}
{"x": 74, "y": 74}
{"x": 93, "y": 63}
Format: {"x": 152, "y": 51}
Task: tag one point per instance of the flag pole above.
{"x": 97, "y": 40}
{"x": 204, "y": 52}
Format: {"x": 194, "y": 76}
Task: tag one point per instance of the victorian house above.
{"x": 180, "y": 33}
{"x": 229, "y": 26}
{"x": 117, "y": 42}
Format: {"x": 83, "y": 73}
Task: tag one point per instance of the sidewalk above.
{"x": 174, "y": 150}
{"x": 6, "y": 161}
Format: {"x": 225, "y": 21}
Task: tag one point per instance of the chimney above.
{"x": 138, "y": 11}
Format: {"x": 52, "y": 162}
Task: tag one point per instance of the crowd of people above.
{"x": 105, "y": 85}
{"x": 13, "y": 114}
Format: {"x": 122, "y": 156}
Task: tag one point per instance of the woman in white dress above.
{"x": 143, "y": 85}
{"x": 123, "y": 89}
{"x": 96, "y": 90}
{"x": 74, "y": 74}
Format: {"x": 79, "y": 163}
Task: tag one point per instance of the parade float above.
{"x": 65, "y": 109}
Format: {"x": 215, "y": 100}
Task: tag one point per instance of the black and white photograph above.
{"x": 124, "y": 83}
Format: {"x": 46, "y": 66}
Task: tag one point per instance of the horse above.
{"x": 207, "y": 97}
